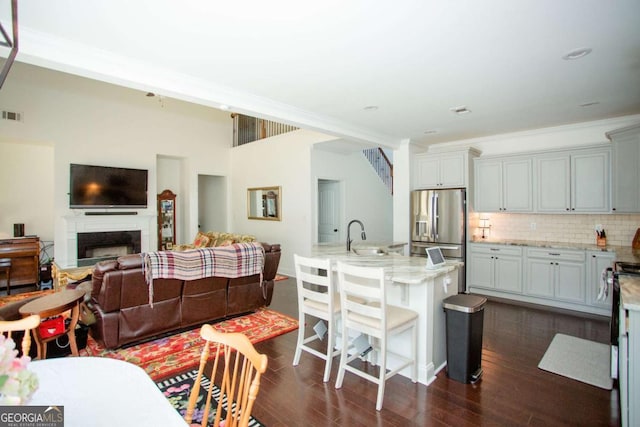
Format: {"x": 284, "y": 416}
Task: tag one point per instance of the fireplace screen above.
{"x": 105, "y": 245}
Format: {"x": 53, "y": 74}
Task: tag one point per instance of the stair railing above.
{"x": 249, "y": 129}
{"x": 381, "y": 164}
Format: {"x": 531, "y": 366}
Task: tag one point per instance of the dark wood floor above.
{"x": 512, "y": 392}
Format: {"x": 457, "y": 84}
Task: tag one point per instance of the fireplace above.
{"x": 68, "y": 249}
{"x": 104, "y": 245}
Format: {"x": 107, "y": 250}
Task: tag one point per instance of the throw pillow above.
{"x": 201, "y": 240}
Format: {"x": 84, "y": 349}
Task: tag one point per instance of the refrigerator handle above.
{"x": 433, "y": 223}
{"x": 435, "y": 216}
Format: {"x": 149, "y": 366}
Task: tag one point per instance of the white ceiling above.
{"x": 319, "y": 64}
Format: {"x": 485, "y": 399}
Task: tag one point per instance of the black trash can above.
{"x": 464, "y": 317}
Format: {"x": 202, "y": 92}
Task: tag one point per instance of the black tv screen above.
{"x": 107, "y": 187}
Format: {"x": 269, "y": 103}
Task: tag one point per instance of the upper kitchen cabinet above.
{"x": 576, "y": 181}
{"x": 503, "y": 185}
{"x": 442, "y": 170}
{"x": 625, "y": 175}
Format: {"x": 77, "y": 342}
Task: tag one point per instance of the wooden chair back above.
{"x": 236, "y": 368}
{"x": 26, "y": 325}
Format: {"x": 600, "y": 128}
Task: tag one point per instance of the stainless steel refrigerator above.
{"x": 439, "y": 218}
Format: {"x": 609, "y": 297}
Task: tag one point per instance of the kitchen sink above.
{"x": 369, "y": 251}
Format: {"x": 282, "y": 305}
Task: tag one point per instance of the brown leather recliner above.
{"x": 120, "y": 299}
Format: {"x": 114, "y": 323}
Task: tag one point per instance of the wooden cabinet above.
{"x": 443, "y": 170}
{"x": 557, "y": 274}
{"x": 625, "y": 173}
{"x": 24, "y": 253}
{"x": 597, "y": 261}
{"x": 503, "y": 185}
{"x": 166, "y": 220}
{"x": 495, "y": 267}
{"x": 576, "y": 181}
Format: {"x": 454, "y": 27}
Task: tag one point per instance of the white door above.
{"x": 329, "y": 211}
{"x": 212, "y": 204}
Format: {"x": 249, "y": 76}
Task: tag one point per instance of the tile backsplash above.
{"x": 573, "y": 228}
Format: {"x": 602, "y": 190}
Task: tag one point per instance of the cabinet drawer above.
{"x": 497, "y": 249}
{"x": 556, "y": 254}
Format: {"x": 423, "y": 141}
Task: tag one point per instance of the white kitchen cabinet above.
{"x": 562, "y": 278}
{"x": 597, "y": 261}
{"x": 496, "y": 267}
{"x": 573, "y": 181}
{"x": 503, "y": 185}
{"x": 442, "y": 170}
{"x": 630, "y": 351}
{"x": 625, "y": 173}
{"x": 557, "y": 274}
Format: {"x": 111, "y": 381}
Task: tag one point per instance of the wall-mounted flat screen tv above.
{"x": 107, "y": 187}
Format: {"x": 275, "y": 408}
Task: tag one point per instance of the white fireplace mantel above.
{"x": 97, "y": 223}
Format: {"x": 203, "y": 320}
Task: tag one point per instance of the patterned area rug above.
{"x": 177, "y": 390}
{"x": 165, "y": 357}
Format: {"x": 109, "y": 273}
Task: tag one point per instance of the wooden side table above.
{"x": 53, "y": 305}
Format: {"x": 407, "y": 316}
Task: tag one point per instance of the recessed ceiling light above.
{"x": 224, "y": 107}
{"x": 589, "y": 104}
{"x": 460, "y": 110}
{"x": 370, "y": 108}
{"x": 577, "y": 53}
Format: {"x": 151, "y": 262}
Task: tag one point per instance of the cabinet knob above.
{"x": 567, "y": 209}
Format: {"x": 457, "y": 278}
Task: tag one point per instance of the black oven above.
{"x": 620, "y": 268}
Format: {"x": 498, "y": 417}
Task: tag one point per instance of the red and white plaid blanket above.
{"x": 236, "y": 260}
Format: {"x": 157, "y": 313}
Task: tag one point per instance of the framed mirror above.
{"x": 264, "y": 203}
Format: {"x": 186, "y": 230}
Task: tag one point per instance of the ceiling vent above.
{"x": 460, "y": 110}
{"x": 11, "y": 115}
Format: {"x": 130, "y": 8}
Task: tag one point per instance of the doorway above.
{"x": 212, "y": 203}
{"x": 329, "y": 211}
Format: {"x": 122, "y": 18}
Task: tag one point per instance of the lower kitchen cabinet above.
{"x": 597, "y": 262}
{"x": 563, "y": 278}
{"x": 496, "y": 267}
{"x": 557, "y": 274}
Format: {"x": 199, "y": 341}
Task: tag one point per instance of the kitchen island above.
{"x": 410, "y": 284}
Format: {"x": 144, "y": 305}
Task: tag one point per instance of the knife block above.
{"x": 601, "y": 241}
{"x": 636, "y": 240}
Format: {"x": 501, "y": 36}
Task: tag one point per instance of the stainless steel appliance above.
{"x": 439, "y": 218}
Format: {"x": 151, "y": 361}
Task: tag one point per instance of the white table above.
{"x": 100, "y": 391}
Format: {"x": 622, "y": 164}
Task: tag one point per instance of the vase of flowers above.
{"x": 17, "y": 383}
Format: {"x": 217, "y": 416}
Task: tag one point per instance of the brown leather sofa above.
{"x": 120, "y": 299}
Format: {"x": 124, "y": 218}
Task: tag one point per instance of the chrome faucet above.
{"x": 362, "y": 233}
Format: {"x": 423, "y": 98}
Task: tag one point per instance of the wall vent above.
{"x": 11, "y": 115}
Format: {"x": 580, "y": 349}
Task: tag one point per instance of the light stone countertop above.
{"x": 623, "y": 253}
{"x": 630, "y": 292}
{"x": 398, "y": 268}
